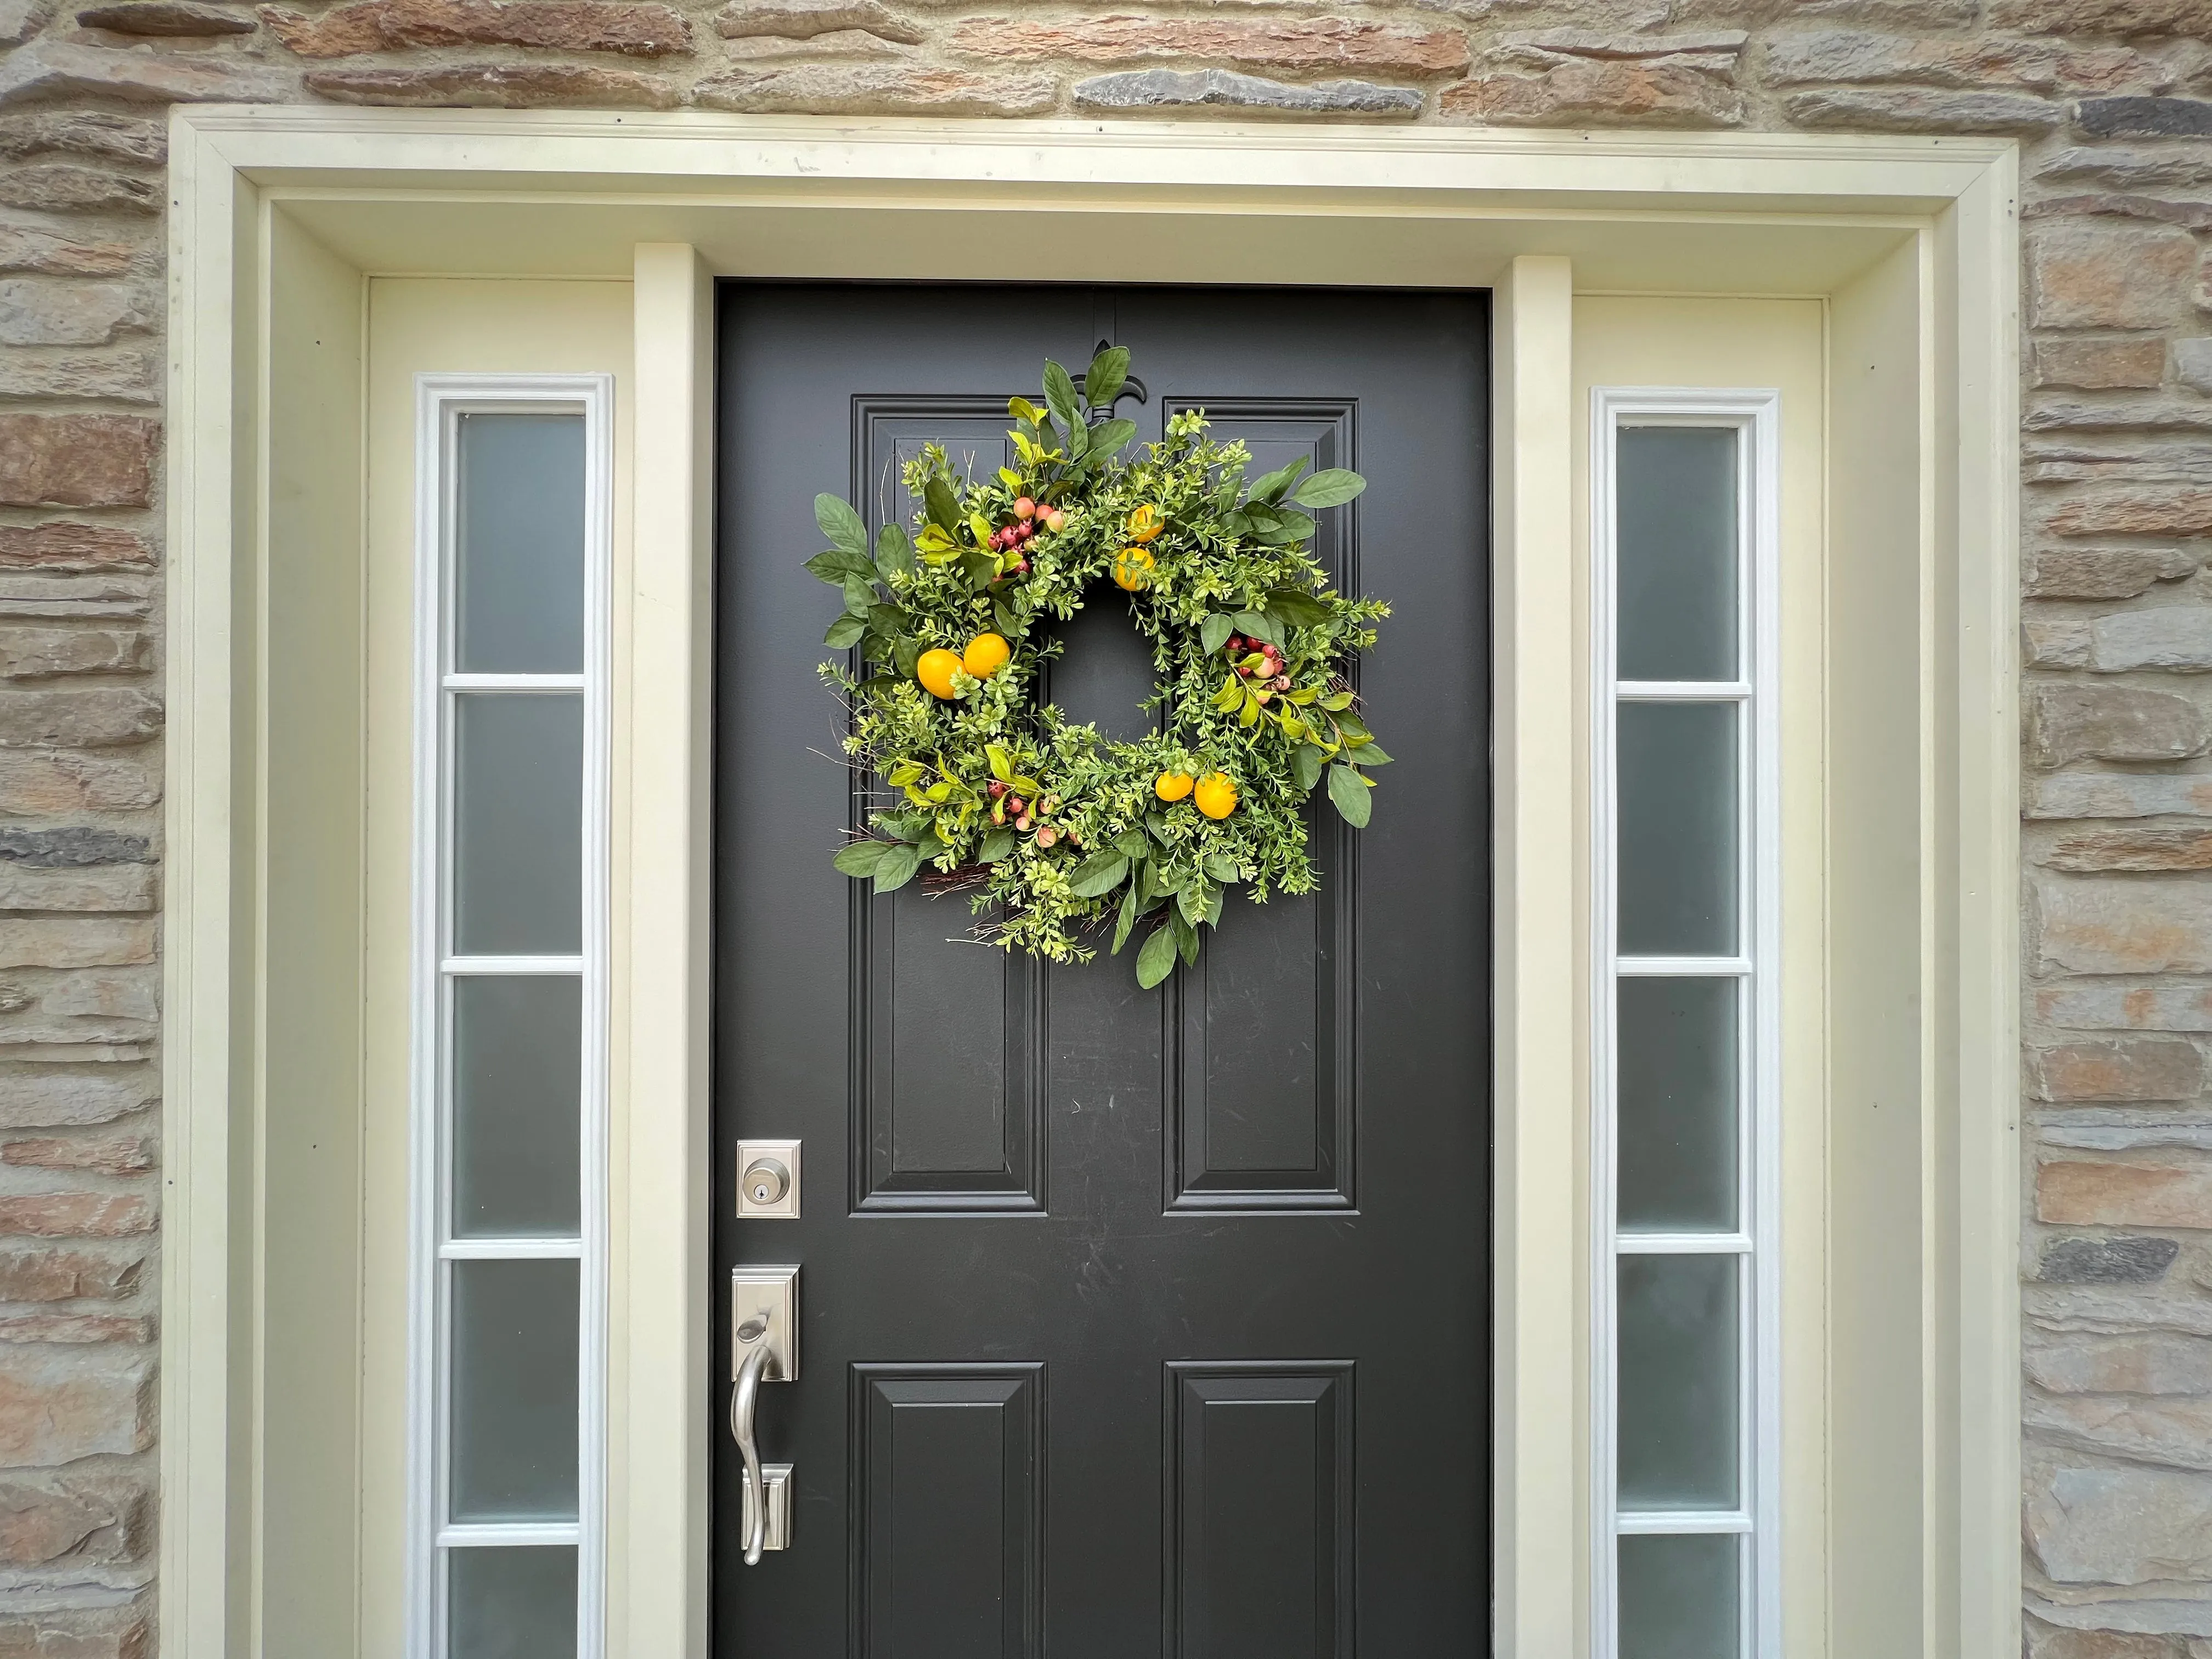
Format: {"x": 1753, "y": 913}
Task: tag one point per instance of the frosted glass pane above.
{"x": 519, "y": 585}
{"x": 514, "y": 1421}
{"x": 518, "y": 1066}
{"x": 1678, "y": 828}
{"x": 1677, "y": 1147}
{"x": 513, "y": 1603}
{"x": 518, "y": 824}
{"x": 1678, "y": 1383}
{"x": 1676, "y": 496}
{"x": 1680, "y": 1596}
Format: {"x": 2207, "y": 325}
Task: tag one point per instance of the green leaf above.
{"x": 1221, "y": 866}
{"x": 979, "y": 566}
{"x": 1079, "y": 441}
{"x": 942, "y": 506}
{"x": 1231, "y": 694}
{"x": 1156, "y": 960}
{"x": 888, "y": 620}
{"x": 1099, "y": 875}
{"x": 1330, "y": 487}
{"x": 1009, "y": 624}
{"x": 1370, "y": 753}
{"x": 1060, "y": 396}
{"x": 1213, "y": 907}
{"x": 846, "y": 630}
{"x": 1023, "y": 410}
{"x": 842, "y": 525}
{"x": 1111, "y": 437}
{"x": 1259, "y": 626}
{"x": 905, "y": 653}
{"x": 1337, "y": 702}
{"x": 1355, "y": 728}
{"x": 1191, "y": 903}
{"x": 1270, "y": 487}
{"x": 1306, "y": 764}
{"x": 859, "y": 594}
{"x": 1001, "y": 764}
{"x": 1348, "y": 790}
{"x": 1127, "y": 918}
{"x": 1296, "y": 608}
{"x": 1108, "y": 373}
{"x": 862, "y": 857}
{"x": 897, "y": 867}
{"x": 996, "y": 846}
{"x": 1185, "y": 936}
{"x": 834, "y": 566}
{"x": 1213, "y": 633}
{"x": 1288, "y": 527}
{"x": 1135, "y": 843}
{"x": 894, "y": 552}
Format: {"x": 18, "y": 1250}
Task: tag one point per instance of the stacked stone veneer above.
{"x": 2112, "y": 100}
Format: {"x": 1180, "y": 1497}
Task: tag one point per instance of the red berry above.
{"x": 1243, "y": 671}
{"x": 1024, "y": 508}
{"x": 1021, "y": 567}
{"x": 1236, "y": 642}
{"x": 997, "y": 789}
{"x": 1281, "y": 682}
{"x": 1017, "y": 805}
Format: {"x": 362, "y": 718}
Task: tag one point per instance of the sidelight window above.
{"x": 508, "y": 1254}
{"x": 1684, "y": 1025}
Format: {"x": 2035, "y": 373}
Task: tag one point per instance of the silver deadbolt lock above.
{"x": 768, "y": 1179}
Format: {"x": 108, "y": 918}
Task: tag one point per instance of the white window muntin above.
{"x": 1753, "y": 416}
{"x": 442, "y": 402}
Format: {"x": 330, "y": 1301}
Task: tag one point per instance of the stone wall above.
{"x": 2113, "y": 101}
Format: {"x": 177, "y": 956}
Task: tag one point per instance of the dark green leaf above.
{"x": 897, "y": 867}
{"x": 1009, "y": 624}
{"x": 996, "y": 846}
{"x": 1349, "y": 792}
{"x": 1221, "y": 866}
{"x": 1158, "y": 824}
{"x": 1330, "y": 487}
{"x": 1186, "y": 936}
{"x": 941, "y": 504}
{"x": 1099, "y": 875}
{"x": 905, "y": 653}
{"x": 1156, "y": 960}
{"x": 1259, "y": 626}
{"x": 1270, "y": 487}
{"x": 842, "y": 525}
{"x": 1306, "y": 764}
{"x": 894, "y": 552}
{"x": 1133, "y": 843}
{"x": 1297, "y": 609}
{"x": 846, "y": 630}
{"x": 1108, "y": 373}
{"x": 834, "y": 566}
{"x": 1060, "y": 394}
{"x": 1213, "y": 633}
{"x": 1112, "y": 436}
{"x": 1236, "y": 523}
{"x": 1261, "y": 517}
{"x": 1288, "y": 527}
{"x": 888, "y": 620}
{"x": 862, "y": 857}
{"x": 1078, "y": 441}
{"x": 980, "y": 567}
{"x": 1127, "y": 918}
{"x": 916, "y": 827}
{"x": 1148, "y": 879}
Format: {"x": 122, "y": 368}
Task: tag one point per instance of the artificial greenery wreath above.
{"x": 1052, "y": 827}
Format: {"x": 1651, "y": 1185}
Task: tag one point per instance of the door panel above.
{"x": 1043, "y": 1201}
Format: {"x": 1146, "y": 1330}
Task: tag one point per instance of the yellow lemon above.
{"x": 1172, "y": 785}
{"x": 986, "y": 655}
{"x": 935, "y": 670}
{"x": 1216, "y": 796}
{"x": 1145, "y": 523}
{"x": 1132, "y": 569}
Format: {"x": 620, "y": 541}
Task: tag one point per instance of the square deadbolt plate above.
{"x": 782, "y": 1154}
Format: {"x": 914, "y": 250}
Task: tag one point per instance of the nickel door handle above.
{"x": 764, "y": 1341}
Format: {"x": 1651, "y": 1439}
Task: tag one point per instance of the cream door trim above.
{"x": 279, "y": 214}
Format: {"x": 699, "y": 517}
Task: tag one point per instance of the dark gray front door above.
{"x": 1133, "y": 1322}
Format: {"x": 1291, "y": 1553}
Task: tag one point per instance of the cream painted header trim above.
{"x": 269, "y": 204}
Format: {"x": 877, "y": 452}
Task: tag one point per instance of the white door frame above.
{"x": 278, "y": 214}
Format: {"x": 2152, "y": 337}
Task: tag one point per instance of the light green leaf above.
{"x": 862, "y": 857}
{"x": 1108, "y": 373}
{"x": 842, "y": 525}
{"x": 897, "y": 866}
{"x": 1001, "y": 764}
{"x": 1347, "y": 791}
{"x": 1156, "y": 960}
{"x": 1330, "y": 487}
{"x": 1213, "y": 633}
{"x": 1337, "y": 702}
{"x": 1099, "y": 875}
{"x": 846, "y": 630}
{"x": 894, "y": 552}
{"x": 1231, "y": 694}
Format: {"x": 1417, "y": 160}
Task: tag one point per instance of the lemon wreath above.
{"x": 1053, "y": 828}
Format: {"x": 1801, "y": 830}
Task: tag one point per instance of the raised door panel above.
{"x": 948, "y": 1038}
{"x": 948, "y": 1477}
{"x": 1260, "y": 1510}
